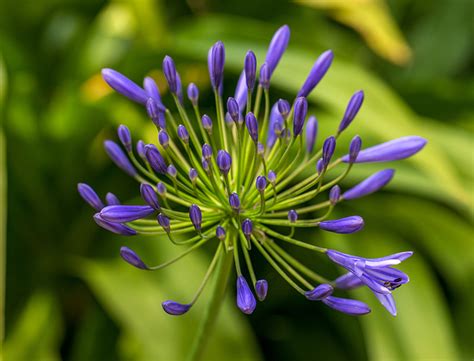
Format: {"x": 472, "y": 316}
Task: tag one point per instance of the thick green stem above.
{"x": 213, "y": 306}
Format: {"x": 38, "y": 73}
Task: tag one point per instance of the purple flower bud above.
{"x": 119, "y": 158}
{"x": 125, "y": 137}
{"x": 193, "y": 174}
{"x": 311, "y": 133}
{"x": 275, "y": 118}
{"x": 90, "y": 196}
{"x": 278, "y": 129}
{"x": 172, "y": 171}
{"x": 261, "y": 183}
{"x": 179, "y": 88}
{"x": 164, "y": 138}
{"x": 301, "y": 108}
{"x": 141, "y": 149}
{"x": 152, "y": 90}
{"x": 205, "y": 165}
{"x": 132, "y": 258}
{"x": 344, "y": 225}
{"x": 350, "y": 307}
{"x": 207, "y": 123}
{"x": 264, "y": 78}
{"x": 164, "y": 222}
{"x": 352, "y": 109}
{"x": 113, "y": 227}
{"x": 233, "y": 109}
{"x": 348, "y": 281}
{"x": 196, "y": 217}
{"x": 234, "y": 201}
{"x": 247, "y": 227}
{"x": 241, "y": 91}
{"x": 354, "y": 148}
{"x": 245, "y": 298}
{"x": 395, "y": 149}
{"x": 224, "y": 161}
{"x": 175, "y": 308}
{"x": 112, "y": 199}
{"x": 319, "y": 69}
{"x": 260, "y": 149}
{"x": 220, "y": 233}
{"x": 284, "y": 107}
{"x": 149, "y": 196}
{"x": 156, "y": 160}
{"x": 320, "y": 166}
{"x": 155, "y": 113}
{"x": 121, "y": 84}
{"x": 183, "y": 133}
{"x": 261, "y": 289}
{"x": 272, "y": 176}
{"x": 320, "y": 292}
{"x": 169, "y": 69}
{"x": 370, "y": 185}
{"x": 193, "y": 94}
{"x": 216, "y": 60}
{"x": 123, "y": 213}
{"x": 292, "y": 216}
{"x": 252, "y": 126}
{"x": 161, "y": 188}
{"x": 250, "y": 68}
{"x": 328, "y": 150}
{"x": 277, "y": 47}
{"x": 334, "y": 195}
{"x": 206, "y": 151}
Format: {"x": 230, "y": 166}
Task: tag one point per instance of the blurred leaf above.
{"x": 35, "y": 335}
{"x": 3, "y": 232}
{"x": 373, "y": 21}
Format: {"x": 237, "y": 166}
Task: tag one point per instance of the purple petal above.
{"x": 320, "y": 292}
{"x": 370, "y": 185}
{"x": 241, "y": 92}
{"x": 277, "y": 47}
{"x": 348, "y": 281}
{"x": 261, "y": 289}
{"x": 350, "y": 307}
{"x": 116, "y": 228}
{"x": 132, "y": 258}
{"x": 317, "y": 72}
{"x": 119, "y": 157}
{"x": 245, "y": 298}
{"x": 122, "y": 213}
{"x": 175, "y": 308}
{"x": 388, "y": 302}
{"x": 90, "y": 196}
{"x": 344, "y": 225}
{"x": 112, "y": 199}
{"x": 121, "y": 84}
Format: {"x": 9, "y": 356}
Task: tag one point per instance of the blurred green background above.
{"x": 67, "y": 295}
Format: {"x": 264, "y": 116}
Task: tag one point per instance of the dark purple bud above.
{"x": 350, "y": 307}
{"x": 395, "y": 149}
{"x": 206, "y": 151}
{"x": 245, "y": 298}
{"x": 252, "y": 126}
{"x": 112, "y": 199}
{"x": 272, "y": 176}
{"x": 233, "y": 109}
{"x": 348, "y": 281}
{"x": 220, "y": 233}
{"x": 311, "y": 133}
{"x": 250, "y": 68}
{"x": 125, "y": 137}
{"x": 284, "y": 107}
{"x": 196, "y": 217}
{"x": 152, "y": 90}
{"x": 121, "y": 84}
{"x": 334, "y": 194}
{"x": 320, "y": 68}
{"x": 132, "y": 258}
{"x": 277, "y": 47}
{"x": 172, "y": 171}
{"x": 119, "y": 157}
{"x": 149, "y": 196}
{"x": 261, "y": 289}
{"x": 261, "y": 183}
{"x": 164, "y": 138}
{"x": 207, "y": 123}
{"x": 292, "y": 216}
{"x": 354, "y": 148}
{"x": 247, "y": 227}
{"x": 205, "y": 165}
{"x": 113, "y": 227}
{"x": 264, "y": 78}
{"x": 234, "y": 201}
{"x": 216, "y": 61}
{"x": 155, "y": 113}
{"x": 370, "y": 185}
{"x": 161, "y": 188}
{"x": 169, "y": 69}
{"x": 301, "y": 108}
{"x": 193, "y": 174}
{"x": 193, "y": 94}
{"x": 164, "y": 222}
{"x": 183, "y": 133}
{"x": 175, "y": 308}
{"x": 352, "y": 109}
{"x": 320, "y": 292}
{"x": 90, "y": 196}
{"x": 260, "y": 149}
{"x": 156, "y": 160}
{"x": 123, "y": 213}
{"x": 328, "y": 150}
{"x": 344, "y": 225}
{"x": 224, "y": 161}
{"x": 320, "y": 166}
{"x": 141, "y": 149}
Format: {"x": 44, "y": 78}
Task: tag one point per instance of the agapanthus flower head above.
{"x": 216, "y": 182}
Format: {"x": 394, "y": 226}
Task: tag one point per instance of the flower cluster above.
{"x": 233, "y": 180}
